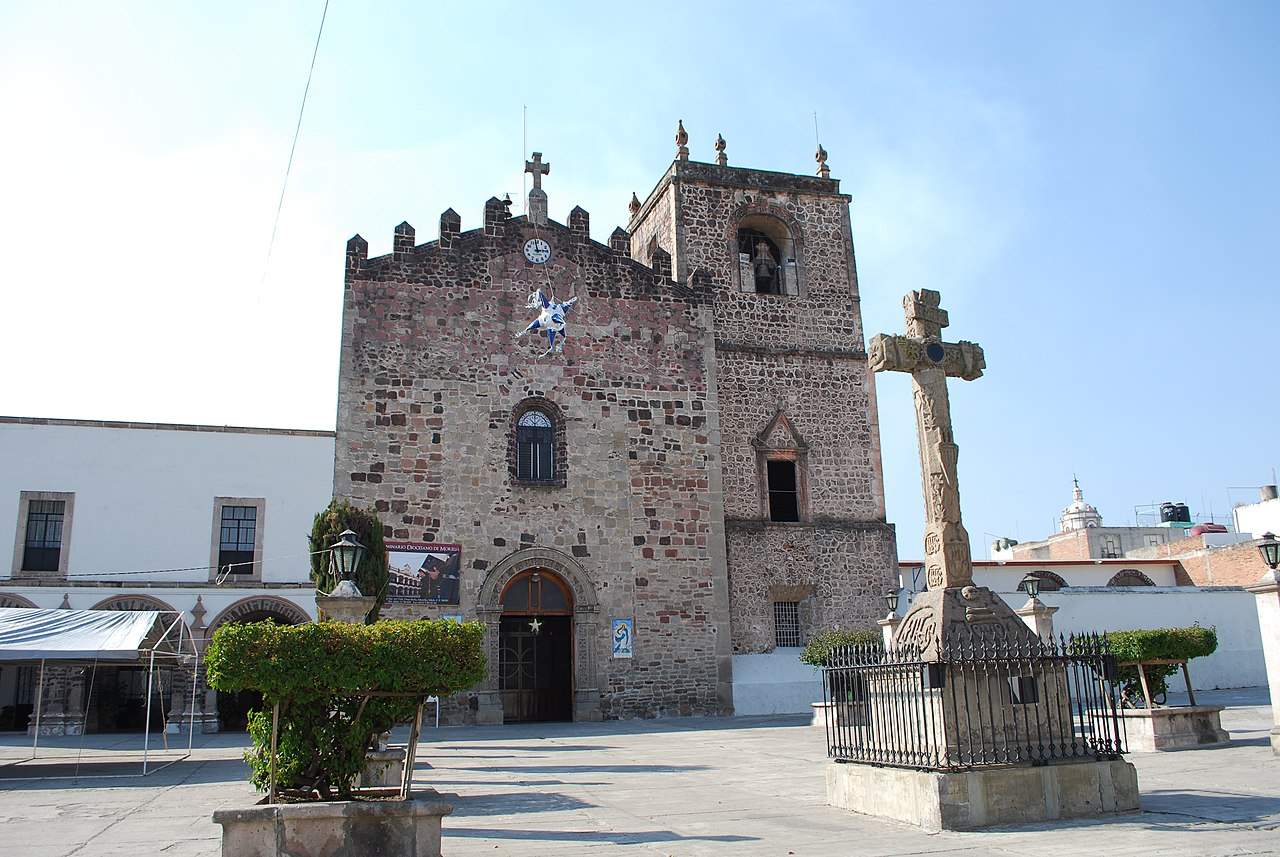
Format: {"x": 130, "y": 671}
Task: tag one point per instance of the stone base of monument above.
{"x": 388, "y": 828}
{"x": 966, "y": 800}
{"x": 1184, "y": 727}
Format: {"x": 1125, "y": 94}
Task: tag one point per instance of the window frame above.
{"x": 25, "y": 498}
{"x": 794, "y": 632}
{"x": 259, "y": 504}
{"x": 559, "y": 463}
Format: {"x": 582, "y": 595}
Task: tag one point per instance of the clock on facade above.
{"x": 537, "y": 251}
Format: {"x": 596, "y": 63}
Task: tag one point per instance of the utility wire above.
{"x": 296, "y": 131}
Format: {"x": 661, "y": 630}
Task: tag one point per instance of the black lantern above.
{"x": 1031, "y": 583}
{"x": 347, "y": 554}
{"x": 1270, "y": 550}
{"x": 891, "y": 601}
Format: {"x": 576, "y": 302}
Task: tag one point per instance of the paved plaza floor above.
{"x": 686, "y": 787}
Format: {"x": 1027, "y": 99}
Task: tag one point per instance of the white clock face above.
{"x": 537, "y": 251}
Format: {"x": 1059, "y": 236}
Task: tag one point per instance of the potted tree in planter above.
{"x": 1146, "y": 658}
{"x": 332, "y": 688}
{"x": 818, "y": 652}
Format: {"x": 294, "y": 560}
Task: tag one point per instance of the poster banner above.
{"x": 623, "y": 639}
{"x": 423, "y": 572}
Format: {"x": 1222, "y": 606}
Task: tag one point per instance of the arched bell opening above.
{"x": 535, "y": 648}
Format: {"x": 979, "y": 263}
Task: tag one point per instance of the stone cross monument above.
{"x": 537, "y": 196}
{"x": 931, "y": 362}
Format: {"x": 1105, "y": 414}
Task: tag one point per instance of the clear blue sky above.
{"x": 1093, "y": 188}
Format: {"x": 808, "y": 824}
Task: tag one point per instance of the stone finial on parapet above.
{"x": 620, "y": 241}
{"x": 580, "y": 222}
{"x": 634, "y": 205}
{"x": 402, "y": 242}
{"x": 495, "y": 216}
{"x": 357, "y": 251}
{"x": 721, "y": 158}
{"x": 821, "y": 157}
{"x": 660, "y": 261}
{"x": 450, "y": 226}
{"x": 682, "y": 142}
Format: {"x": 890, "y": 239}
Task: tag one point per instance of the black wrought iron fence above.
{"x": 982, "y": 702}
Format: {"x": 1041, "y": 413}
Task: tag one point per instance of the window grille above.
{"x": 239, "y": 530}
{"x": 535, "y": 447}
{"x": 42, "y": 547}
{"x": 768, "y": 279}
{"x": 784, "y": 496}
{"x": 786, "y": 623}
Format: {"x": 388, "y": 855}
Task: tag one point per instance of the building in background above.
{"x": 209, "y": 522}
{"x": 1083, "y": 535}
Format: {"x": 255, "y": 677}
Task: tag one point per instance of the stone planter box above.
{"x": 390, "y": 828}
{"x": 383, "y": 768}
{"x": 1149, "y": 730}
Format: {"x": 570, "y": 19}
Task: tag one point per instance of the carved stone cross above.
{"x": 538, "y": 168}
{"x": 931, "y": 361}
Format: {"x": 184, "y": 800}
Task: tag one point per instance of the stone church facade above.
{"x": 701, "y": 460}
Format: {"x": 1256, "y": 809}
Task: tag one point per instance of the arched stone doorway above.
{"x": 535, "y": 648}
{"x": 532, "y": 676}
{"x": 116, "y": 696}
{"x": 232, "y": 709}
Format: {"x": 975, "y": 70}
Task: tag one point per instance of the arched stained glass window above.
{"x": 535, "y": 447}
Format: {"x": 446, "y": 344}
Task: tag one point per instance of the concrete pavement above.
{"x": 681, "y": 787}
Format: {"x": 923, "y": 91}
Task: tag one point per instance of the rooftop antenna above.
{"x": 816, "y": 139}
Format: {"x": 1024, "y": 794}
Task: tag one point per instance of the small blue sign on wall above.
{"x": 623, "y": 638}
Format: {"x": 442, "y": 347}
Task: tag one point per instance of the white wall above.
{"x": 1258, "y": 518}
{"x": 774, "y": 683}
{"x": 1089, "y": 572}
{"x": 1238, "y": 662}
{"x": 144, "y": 497}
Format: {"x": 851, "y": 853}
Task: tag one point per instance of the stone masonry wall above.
{"x": 430, "y": 374}
{"x": 802, "y": 355}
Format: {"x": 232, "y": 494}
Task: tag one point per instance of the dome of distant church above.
{"x": 1079, "y": 515}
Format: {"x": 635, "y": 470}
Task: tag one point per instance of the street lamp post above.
{"x": 1266, "y": 594}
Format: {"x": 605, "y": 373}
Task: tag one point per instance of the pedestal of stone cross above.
{"x": 537, "y": 197}
{"x": 967, "y": 641}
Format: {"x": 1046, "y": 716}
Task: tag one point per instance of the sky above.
{"x": 1092, "y": 186}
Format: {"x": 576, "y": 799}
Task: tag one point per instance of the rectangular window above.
{"x": 786, "y": 623}
{"x": 784, "y": 495}
{"x": 1153, "y": 541}
{"x": 236, "y": 539}
{"x": 42, "y": 548}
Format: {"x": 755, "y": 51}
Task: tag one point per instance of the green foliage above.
{"x": 371, "y": 576}
{"x": 1157, "y": 644}
{"x": 318, "y": 673}
{"x": 821, "y": 643}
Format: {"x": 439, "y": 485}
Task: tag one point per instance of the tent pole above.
{"x": 35, "y": 743}
{"x": 146, "y": 736}
{"x": 195, "y": 674}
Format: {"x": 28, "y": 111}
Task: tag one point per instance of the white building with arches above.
{"x": 207, "y": 521}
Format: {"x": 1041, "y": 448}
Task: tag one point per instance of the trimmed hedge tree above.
{"x": 319, "y": 673}
{"x": 820, "y": 644}
{"x": 1156, "y": 644}
{"x": 371, "y": 576}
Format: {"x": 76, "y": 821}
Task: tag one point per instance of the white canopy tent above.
{"x": 94, "y": 637}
